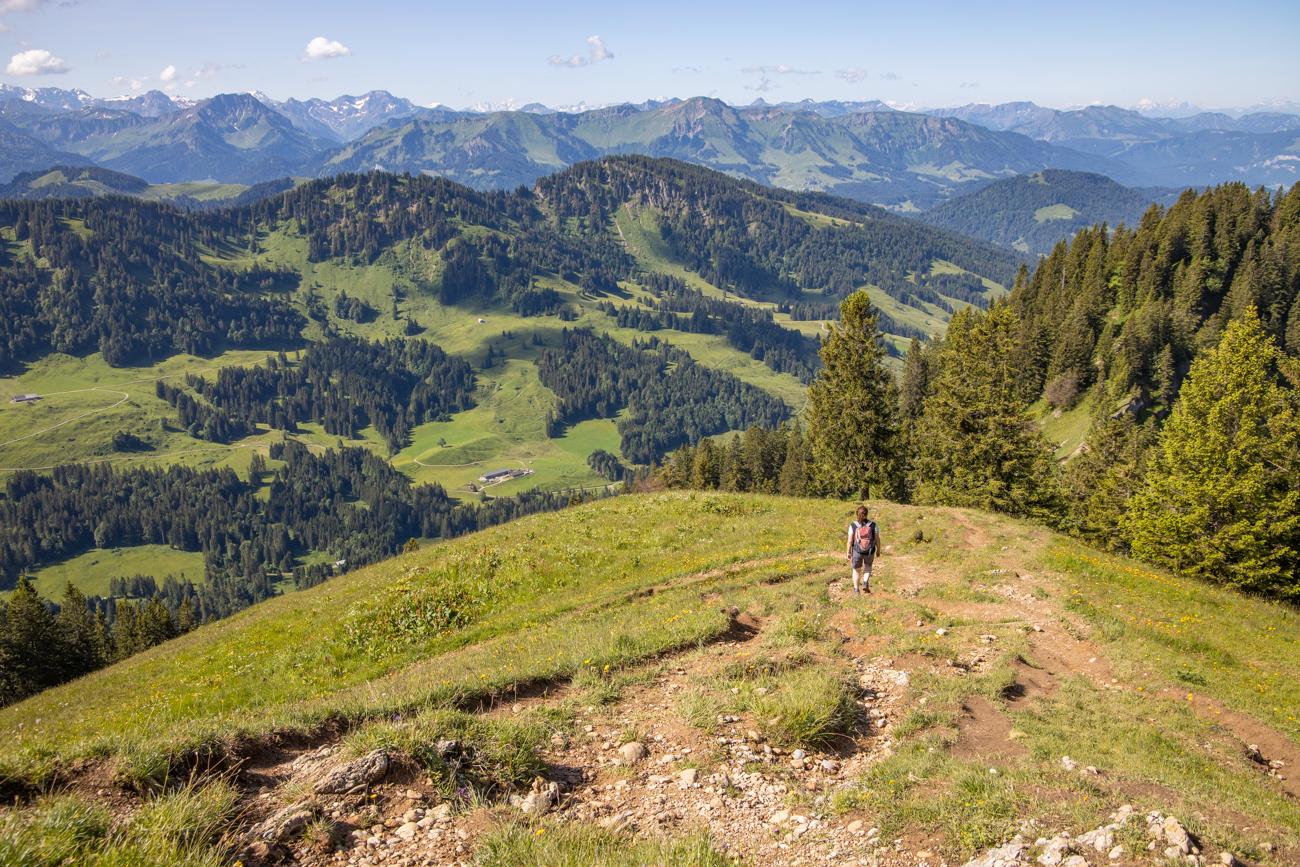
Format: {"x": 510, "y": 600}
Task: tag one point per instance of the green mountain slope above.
{"x": 196, "y": 359}
{"x": 1031, "y": 213}
{"x": 998, "y": 675}
{"x": 888, "y": 157}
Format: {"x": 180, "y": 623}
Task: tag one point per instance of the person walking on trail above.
{"x": 863, "y": 540}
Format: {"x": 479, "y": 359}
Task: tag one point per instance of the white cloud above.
{"x": 37, "y": 61}
{"x": 209, "y": 71}
{"x": 321, "y": 48}
{"x": 888, "y": 76}
{"x": 317, "y": 79}
{"x": 102, "y": 55}
{"x": 20, "y": 5}
{"x": 969, "y": 84}
{"x": 168, "y": 74}
{"x": 137, "y": 83}
{"x": 116, "y": 81}
{"x": 598, "y": 53}
{"x": 852, "y": 74}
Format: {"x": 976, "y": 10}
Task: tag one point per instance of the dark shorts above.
{"x": 862, "y": 560}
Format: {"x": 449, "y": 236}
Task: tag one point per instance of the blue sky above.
{"x": 926, "y": 53}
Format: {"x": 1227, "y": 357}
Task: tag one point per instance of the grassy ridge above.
{"x": 592, "y": 595}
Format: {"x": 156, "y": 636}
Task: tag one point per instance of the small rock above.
{"x": 516, "y": 708}
{"x": 1227, "y": 859}
{"x": 1116, "y": 853}
{"x": 779, "y": 817}
{"x": 633, "y": 752}
{"x": 754, "y": 736}
{"x": 408, "y": 831}
{"x": 1068, "y": 763}
{"x": 440, "y": 813}
{"x": 829, "y": 766}
{"x": 283, "y": 824}
{"x": 447, "y": 748}
{"x": 941, "y": 632}
{"x": 800, "y": 755}
{"x": 854, "y": 826}
{"x": 687, "y": 777}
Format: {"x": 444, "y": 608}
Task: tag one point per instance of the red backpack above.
{"x": 864, "y": 537}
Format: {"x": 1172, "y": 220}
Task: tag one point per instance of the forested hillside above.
{"x": 637, "y": 304}
{"x": 1032, "y": 213}
{"x": 1179, "y": 338}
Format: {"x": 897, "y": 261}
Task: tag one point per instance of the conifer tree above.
{"x": 186, "y": 620}
{"x": 31, "y": 653}
{"x": 1222, "y": 498}
{"x": 708, "y": 466}
{"x": 77, "y": 633}
{"x": 852, "y": 407}
{"x": 794, "y": 472}
{"x": 975, "y": 444}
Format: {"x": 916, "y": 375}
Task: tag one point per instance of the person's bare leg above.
{"x": 866, "y": 574}
{"x": 857, "y": 581}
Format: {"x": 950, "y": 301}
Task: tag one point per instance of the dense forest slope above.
{"x": 1032, "y": 213}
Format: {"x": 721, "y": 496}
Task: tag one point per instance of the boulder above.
{"x": 358, "y": 772}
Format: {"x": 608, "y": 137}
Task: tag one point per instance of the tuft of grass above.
{"x": 812, "y": 707}
{"x": 699, "y": 708}
{"x": 183, "y": 826}
{"x": 497, "y": 755}
{"x": 559, "y": 846}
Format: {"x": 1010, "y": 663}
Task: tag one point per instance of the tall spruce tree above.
{"x": 975, "y": 444}
{"x": 31, "y": 650}
{"x": 1222, "y": 493}
{"x": 853, "y": 408}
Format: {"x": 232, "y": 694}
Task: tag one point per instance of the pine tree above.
{"x": 31, "y": 652}
{"x": 975, "y": 445}
{"x": 708, "y": 466}
{"x": 186, "y": 620}
{"x": 852, "y": 407}
{"x": 1222, "y": 499}
{"x": 77, "y": 633}
{"x": 735, "y": 470}
{"x": 1100, "y": 482}
{"x": 794, "y": 470}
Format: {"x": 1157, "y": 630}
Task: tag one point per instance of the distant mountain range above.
{"x": 865, "y": 150}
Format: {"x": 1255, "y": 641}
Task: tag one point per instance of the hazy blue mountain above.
{"x": 151, "y": 104}
{"x": 343, "y": 119}
{"x": 999, "y": 117}
{"x": 22, "y": 152}
{"x": 72, "y": 182}
{"x": 1215, "y": 156}
{"x": 219, "y": 138}
{"x": 1032, "y": 213}
{"x": 830, "y": 108}
{"x": 888, "y": 157}
{"x": 54, "y": 98}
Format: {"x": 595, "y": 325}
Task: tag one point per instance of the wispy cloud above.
{"x": 137, "y": 83}
{"x": 969, "y": 84}
{"x": 7, "y": 6}
{"x": 851, "y": 74}
{"x": 780, "y": 70}
{"x": 317, "y": 79}
{"x": 116, "y": 81}
{"x": 888, "y": 76}
{"x": 102, "y": 55}
{"x": 321, "y": 48}
{"x": 37, "y": 61}
{"x": 598, "y": 53}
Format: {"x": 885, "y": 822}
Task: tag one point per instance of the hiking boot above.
{"x": 857, "y": 592}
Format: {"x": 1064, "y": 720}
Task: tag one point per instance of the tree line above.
{"x": 342, "y": 383}
{"x": 669, "y": 398}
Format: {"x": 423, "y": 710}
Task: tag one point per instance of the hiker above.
{"x": 863, "y": 539}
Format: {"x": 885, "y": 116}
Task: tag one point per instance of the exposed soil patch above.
{"x": 1030, "y": 683}
{"x": 983, "y": 730}
{"x": 1273, "y": 746}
